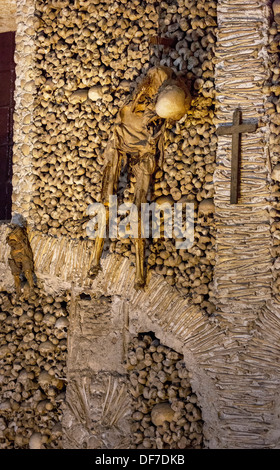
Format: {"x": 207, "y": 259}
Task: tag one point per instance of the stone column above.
{"x": 25, "y": 91}
{"x": 8, "y": 16}
{"x": 243, "y": 267}
{"x": 245, "y": 371}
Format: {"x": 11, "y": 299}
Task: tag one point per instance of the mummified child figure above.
{"x": 138, "y": 138}
{"x": 21, "y": 260}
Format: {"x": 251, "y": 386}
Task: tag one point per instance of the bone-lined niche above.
{"x": 165, "y": 411}
{"x": 125, "y": 390}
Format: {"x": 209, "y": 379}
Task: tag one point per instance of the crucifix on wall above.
{"x": 236, "y": 129}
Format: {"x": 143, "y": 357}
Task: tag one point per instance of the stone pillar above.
{"x": 25, "y": 91}
{"x": 8, "y": 16}
{"x": 243, "y": 279}
{"x": 243, "y": 267}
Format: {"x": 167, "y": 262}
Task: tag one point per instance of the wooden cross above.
{"x": 236, "y": 129}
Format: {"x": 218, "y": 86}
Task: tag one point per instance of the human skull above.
{"x": 172, "y": 103}
{"x": 276, "y": 10}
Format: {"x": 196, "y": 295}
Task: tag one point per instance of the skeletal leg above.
{"x": 140, "y": 257}
{"x": 29, "y": 276}
{"x": 109, "y": 186}
{"x": 95, "y": 265}
{"x": 97, "y": 252}
{"x": 16, "y": 270}
{"x": 17, "y": 284}
{"x": 143, "y": 172}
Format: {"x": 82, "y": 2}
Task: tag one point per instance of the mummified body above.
{"x": 21, "y": 260}
{"x": 138, "y": 136}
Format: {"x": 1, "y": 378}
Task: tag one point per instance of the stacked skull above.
{"x": 166, "y": 411}
{"x": 33, "y": 348}
{"x": 90, "y": 55}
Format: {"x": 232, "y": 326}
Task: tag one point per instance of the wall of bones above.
{"x": 89, "y": 55}
{"x": 190, "y": 362}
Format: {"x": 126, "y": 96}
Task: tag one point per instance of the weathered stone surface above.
{"x": 7, "y": 15}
